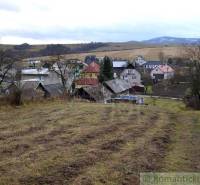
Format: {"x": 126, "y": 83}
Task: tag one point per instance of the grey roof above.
{"x": 120, "y": 64}
{"x": 28, "y": 89}
{"x": 42, "y": 71}
{"x": 98, "y": 92}
{"x": 118, "y": 85}
{"x": 31, "y": 85}
{"x": 153, "y": 63}
{"x": 54, "y": 89}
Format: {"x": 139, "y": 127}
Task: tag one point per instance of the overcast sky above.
{"x": 72, "y": 21}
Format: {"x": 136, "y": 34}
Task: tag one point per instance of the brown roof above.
{"x": 92, "y": 68}
{"x": 87, "y": 81}
{"x": 98, "y": 92}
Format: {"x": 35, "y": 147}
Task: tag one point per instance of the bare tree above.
{"x": 6, "y": 65}
{"x": 66, "y": 72}
{"x": 161, "y": 57}
{"x": 192, "y": 53}
{"x": 16, "y": 93}
{"x": 193, "y": 98}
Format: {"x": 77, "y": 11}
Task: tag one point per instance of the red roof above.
{"x": 87, "y": 81}
{"x": 166, "y": 69}
{"x": 92, "y": 68}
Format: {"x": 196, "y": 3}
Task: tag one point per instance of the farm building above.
{"x": 43, "y": 75}
{"x": 131, "y": 75}
{"x": 89, "y": 76}
{"x": 139, "y": 60}
{"x": 162, "y": 72}
{"x": 30, "y": 90}
{"x": 35, "y": 74}
{"x": 118, "y": 86}
{"x": 149, "y": 65}
{"x": 53, "y": 90}
{"x": 118, "y": 67}
{"x": 97, "y": 93}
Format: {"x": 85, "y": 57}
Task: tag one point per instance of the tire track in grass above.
{"x": 65, "y": 173}
{"x": 185, "y": 151}
{"x": 146, "y": 154}
{"x": 85, "y": 139}
{"x": 16, "y": 148}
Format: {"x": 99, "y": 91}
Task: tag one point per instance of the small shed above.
{"x": 97, "y": 93}
{"x": 118, "y": 86}
{"x": 30, "y": 90}
{"x": 53, "y": 90}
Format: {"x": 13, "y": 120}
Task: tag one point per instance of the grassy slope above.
{"x": 88, "y": 143}
{"x": 151, "y": 53}
{"x": 124, "y": 50}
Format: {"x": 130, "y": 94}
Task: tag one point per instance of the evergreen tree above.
{"x": 106, "y": 70}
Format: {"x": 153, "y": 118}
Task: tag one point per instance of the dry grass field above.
{"x": 150, "y": 53}
{"x": 78, "y": 143}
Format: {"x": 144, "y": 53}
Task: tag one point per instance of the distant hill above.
{"x": 114, "y": 49}
{"x": 172, "y": 41}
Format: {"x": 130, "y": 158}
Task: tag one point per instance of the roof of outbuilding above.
{"x": 54, "y": 89}
{"x": 118, "y": 85}
{"x": 98, "y": 92}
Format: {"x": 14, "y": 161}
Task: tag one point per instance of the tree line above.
{"x": 27, "y": 51}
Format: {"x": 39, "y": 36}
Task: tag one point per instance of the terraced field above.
{"x": 81, "y": 143}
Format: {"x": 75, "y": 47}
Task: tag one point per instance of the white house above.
{"x": 43, "y": 75}
{"x": 149, "y": 65}
{"x": 131, "y": 75}
{"x": 139, "y": 60}
{"x": 162, "y": 72}
{"x": 118, "y": 67}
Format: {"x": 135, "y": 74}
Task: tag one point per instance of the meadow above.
{"x": 127, "y": 53}
{"x": 82, "y": 143}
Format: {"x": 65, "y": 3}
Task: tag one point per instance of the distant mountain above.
{"x": 172, "y": 40}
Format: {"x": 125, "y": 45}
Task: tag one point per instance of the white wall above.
{"x": 131, "y": 75}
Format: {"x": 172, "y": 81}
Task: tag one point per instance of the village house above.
{"x": 118, "y": 67}
{"x": 162, "y": 72}
{"x": 149, "y": 65}
{"x": 139, "y": 60}
{"x": 89, "y": 76}
{"x": 118, "y": 87}
{"x": 131, "y": 75}
{"x": 43, "y": 75}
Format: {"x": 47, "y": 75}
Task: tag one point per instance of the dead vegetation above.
{"x": 82, "y": 143}
{"x": 150, "y": 53}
